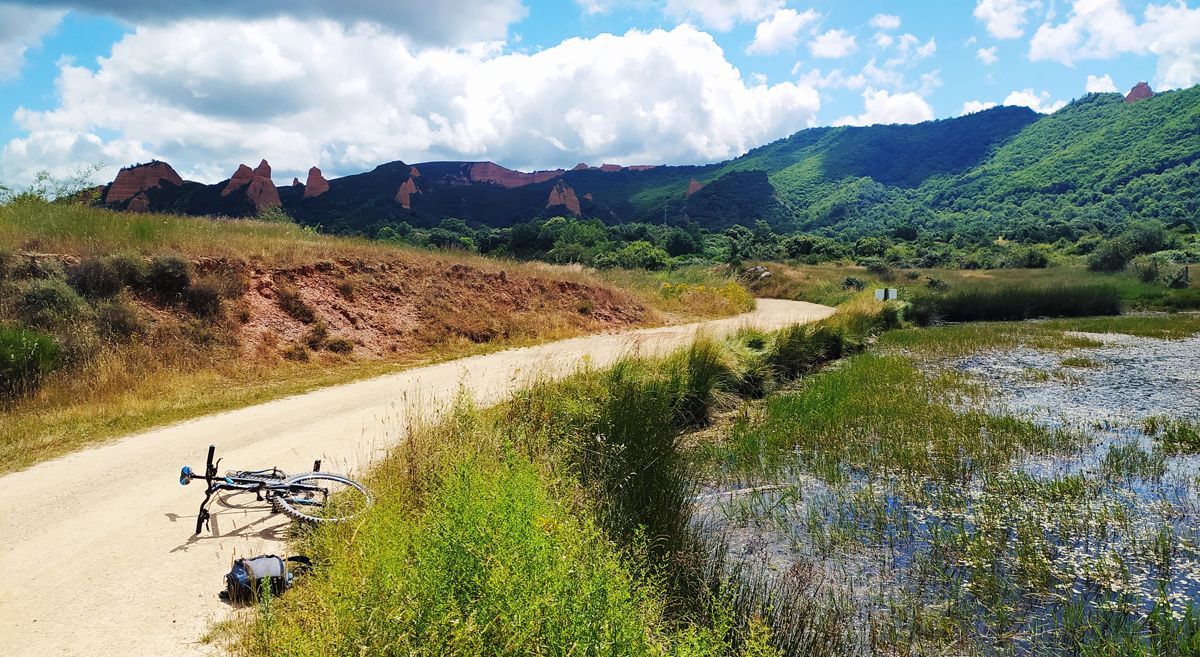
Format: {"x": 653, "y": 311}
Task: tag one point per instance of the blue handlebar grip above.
{"x": 185, "y": 476}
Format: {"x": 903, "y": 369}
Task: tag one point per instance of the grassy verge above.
{"x": 556, "y": 523}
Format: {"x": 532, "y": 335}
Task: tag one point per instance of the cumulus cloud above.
{"x": 22, "y": 28}
{"x": 721, "y": 15}
{"x": 444, "y": 23}
{"x": 346, "y": 98}
{"x": 1099, "y": 84}
{"x": 885, "y": 21}
{"x": 780, "y": 32}
{"x": 1004, "y": 19}
{"x": 973, "y": 106}
{"x": 1038, "y": 102}
{"x": 1103, "y": 29}
{"x": 987, "y": 55}
{"x": 882, "y": 107}
{"x": 833, "y": 44}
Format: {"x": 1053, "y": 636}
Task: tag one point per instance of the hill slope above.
{"x": 1098, "y": 161}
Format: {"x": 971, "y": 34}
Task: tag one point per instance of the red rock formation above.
{"x": 414, "y": 172}
{"x": 139, "y": 203}
{"x": 404, "y": 194}
{"x": 562, "y": 194}
{"x": 296, "y": 182}
{"x": 135, "y": 180}
{"x": 316, "y": 184}
{"x": 1140, "y": 91}
{"x": 694, "y": 187}
{"x": 609, "y": 168}
{"x": 588, "y": 197}
{"x": 260, "y": 190}
{"x": 489, "y": 172}
{"x": 642, "y": 167}
{"x": 582, "y": 166}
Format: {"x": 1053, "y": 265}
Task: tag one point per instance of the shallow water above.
{"x": 1126, "y": 544}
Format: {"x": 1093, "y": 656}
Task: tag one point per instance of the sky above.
{"x": 535, "y": 84}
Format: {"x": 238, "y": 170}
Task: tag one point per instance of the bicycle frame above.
{"x": 268, "y": 481}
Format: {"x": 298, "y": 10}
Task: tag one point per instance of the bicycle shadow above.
{"x": 226, "y": 520}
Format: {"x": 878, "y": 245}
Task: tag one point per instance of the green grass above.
{"x": 556, "y": 523}
{"x": 1011, "y": 301}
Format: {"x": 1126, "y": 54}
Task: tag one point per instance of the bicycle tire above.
{"x": 287, "y": 506}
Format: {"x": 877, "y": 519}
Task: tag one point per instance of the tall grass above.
{"x": 556, "y": 523}
{"x": 1013, "y": 302}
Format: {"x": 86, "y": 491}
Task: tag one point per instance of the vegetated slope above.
{"x": 1006, "y": 170}
{"x": 111, "y": 322}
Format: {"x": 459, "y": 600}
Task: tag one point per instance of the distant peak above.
{"x": 1140, "y": 91}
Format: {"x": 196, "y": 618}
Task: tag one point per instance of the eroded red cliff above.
{"x": 138, "y": 179}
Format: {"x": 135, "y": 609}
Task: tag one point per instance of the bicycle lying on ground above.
{"x": 313, "y": 497}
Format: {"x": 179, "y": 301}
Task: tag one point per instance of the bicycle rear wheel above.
{"x": 321, "y": 497}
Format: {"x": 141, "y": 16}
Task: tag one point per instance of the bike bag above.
{"x": 249, "y": 578}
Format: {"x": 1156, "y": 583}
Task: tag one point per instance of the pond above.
{"x": 1089, "y": 541}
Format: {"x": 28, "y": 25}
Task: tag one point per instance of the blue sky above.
{"x": 535, "y": 83}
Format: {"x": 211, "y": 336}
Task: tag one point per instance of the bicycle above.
{"x": 314, "y": 497}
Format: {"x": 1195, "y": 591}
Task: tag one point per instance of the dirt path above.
{"x": 94, "y": 562}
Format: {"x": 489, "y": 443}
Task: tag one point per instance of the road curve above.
{"x": 97, "y": 555}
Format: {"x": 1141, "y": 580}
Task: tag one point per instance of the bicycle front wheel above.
{"x": 321, "y": 497}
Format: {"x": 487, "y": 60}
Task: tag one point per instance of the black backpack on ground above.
{"x": 250, "y": 577}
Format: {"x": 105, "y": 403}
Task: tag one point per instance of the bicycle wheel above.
{"x": 321, "y": 497}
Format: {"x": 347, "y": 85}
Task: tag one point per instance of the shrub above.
{"x": 119, "y": 318}
{"x": 346, "y": 289}
{"x": 340, "y": 345}
{"x": 1014, "y": 302}
{"x": 132, "y": 269}
{"x": 48, "y": 303}
{"x": 169, "y": 276}
{"x": 96, "y": 277}
{"x": 937, "y": 284}
{"x": 854, "y": 283}
{"x": 26, "y": 357}
{"x": 1110, "y": 256}
{"x": 912, "y": 275}
{"x": 879, "y": 268}
{"x": 297, "y": 352}
{"x": 291, "y": 303}
{"x": 203, "y": 297}
{"x": 316, "y": 336}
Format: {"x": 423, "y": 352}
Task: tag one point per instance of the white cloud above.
{"x": 1103, "y": 29}
{"x": 1101, "y": 84}
{"x": 1037, "y": 102}
{"x": 973, "y": 106}
{"x": 885, "y": 21}
{"x": 835, "y": 79}
{"x": 883, "y": 40}
{"x": 833, "y": 44}
{"x": 422, "y": 22}
{"x": 883, "y": 107}
{"x": 1096, "y": 29}
{"x": 987, "y": 55}
{"x": 22, "y": 28}
{"x": 780, "y": 31}
{"x": 346, "y": 98}
{"x": 721, "y": 15}
{"x": 1004, "y": 19}
{"x": 1172, "y": 32}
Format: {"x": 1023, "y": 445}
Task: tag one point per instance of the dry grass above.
{"x": 418, "y": 307}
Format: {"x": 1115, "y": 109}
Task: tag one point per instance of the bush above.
{"x": 297, "y": 352}
{"x": 49, "y": 303}
{"x": 203, "y": 297}
{"x": 291, "y": 303}
{"x": 119, "y": 318}
{"x": 316, "y": 336}
{"x": 96, "y": 277}
{"x": 26, "y": 357}
{"x": 854, "y": 283}
{"x": 340, "y": 345}
{"x": 1110, "y": 256}
{"x": 131, "y": 268}
{"x": 169, "y": 276}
